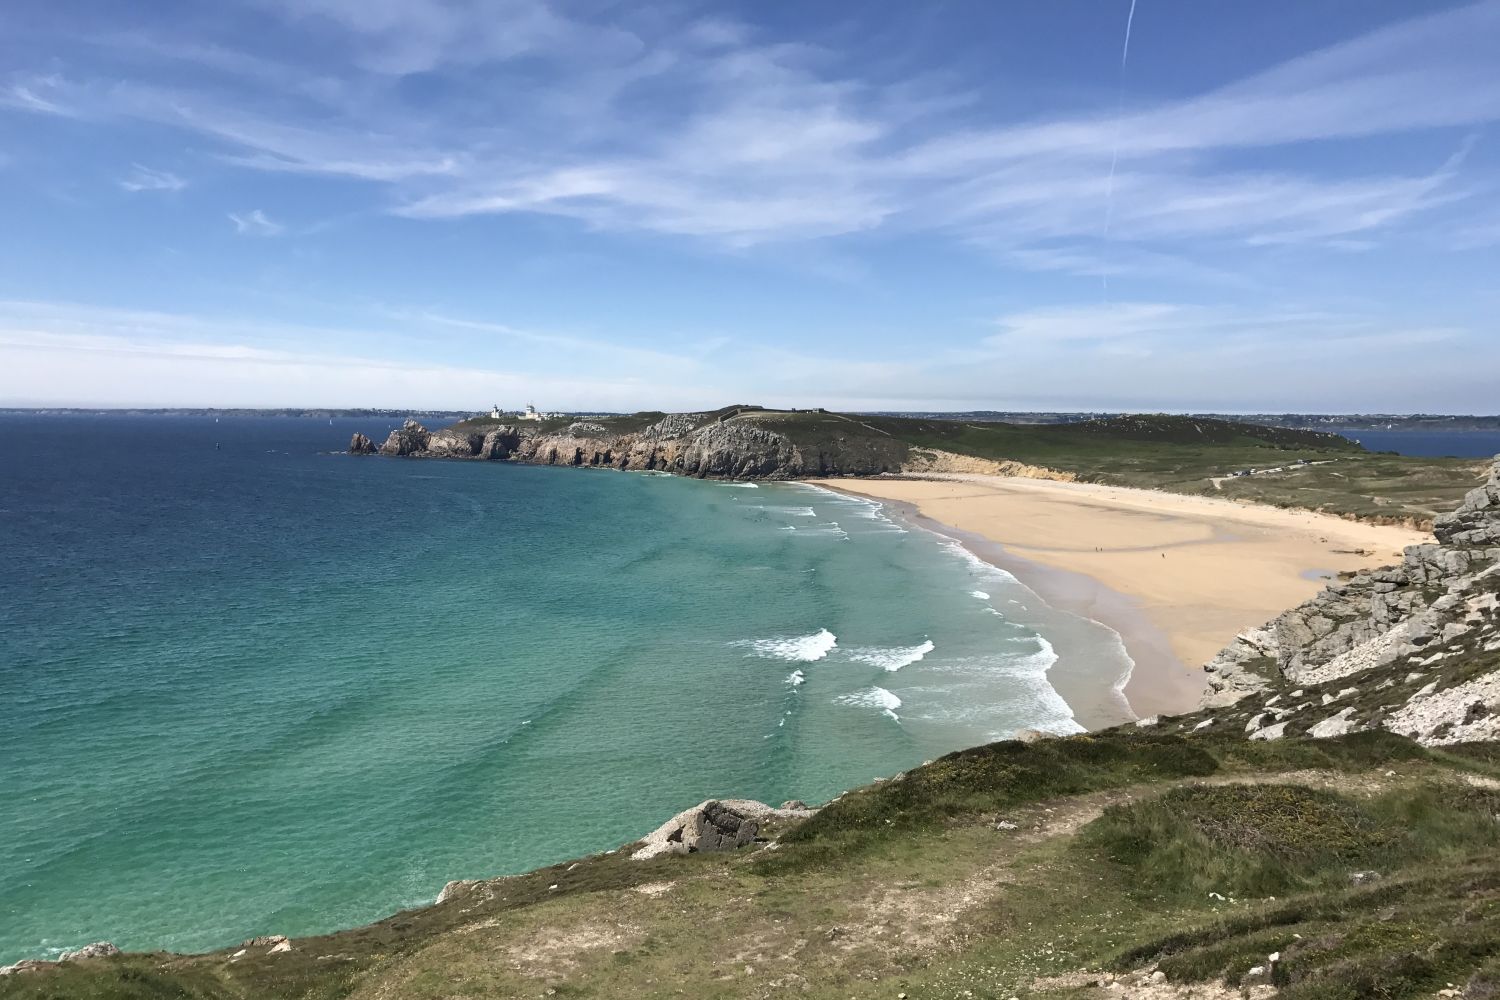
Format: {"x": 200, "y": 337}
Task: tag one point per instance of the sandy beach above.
{"x": 1177, "y": 576}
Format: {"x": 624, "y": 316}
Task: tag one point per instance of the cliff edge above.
{"x": 1413, "y": 648}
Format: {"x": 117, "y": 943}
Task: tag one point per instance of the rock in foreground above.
{"x": 713, "y": 825}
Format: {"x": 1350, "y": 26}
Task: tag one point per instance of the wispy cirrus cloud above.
{"x": 1275, "y": 333}
{"x": 146, "y": 179}
{"x": 764, "y": 142}
{"x": 255, "y": 223}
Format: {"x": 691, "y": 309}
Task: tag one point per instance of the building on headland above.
{"x": 530, "y": 413}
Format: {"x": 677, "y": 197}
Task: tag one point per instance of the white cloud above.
{"x": 25, "y": 94}
{"x": 760, "y": 142}
{"x": 255, "y": 223}
{"x": 399, "y": 37}
{"x": 146, "y": 179}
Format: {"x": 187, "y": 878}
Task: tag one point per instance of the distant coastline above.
{"x": 316, "y": 412}
{"x": 1340, "y": 423}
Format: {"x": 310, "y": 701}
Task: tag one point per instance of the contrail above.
{"x": 1114, "y": 153}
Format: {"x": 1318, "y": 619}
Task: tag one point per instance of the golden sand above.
{"x": 1199, "y": 569}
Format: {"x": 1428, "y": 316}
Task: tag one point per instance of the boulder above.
{"x": 1273, "y": 732}
{"x": 454, "y": 889}
{"x": 99, "y": 949}
{"x": 712, "y": 825}
{"x": 1336, "y": 725}
{"x": 266, "y": 940}
{"x": 25, "y": 965}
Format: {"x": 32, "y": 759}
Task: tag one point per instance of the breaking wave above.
{"x": 785, "y": 511}
{"x": 792, "y": 649}
{"x": 892, "y": 658}
{"x": 875, "y": 697}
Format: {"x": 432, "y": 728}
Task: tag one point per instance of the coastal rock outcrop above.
{"x": 99, "y": 949}
{"x": 1421, "y": 635}
{"x": 713, "y": 825}
{"x": 411, "y": 438}
{"x": 499, "y": 443}
{"x": 361, "y": 445}
{"x": 452, "y": 443}
{"x": 26, "y": 965}
{"x": 738, "y": 443}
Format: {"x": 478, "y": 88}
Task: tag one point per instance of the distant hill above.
{"x": 1298, "y": 467}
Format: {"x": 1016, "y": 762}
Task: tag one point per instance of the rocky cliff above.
{"x": 1413, "y": 648}
{"x": 717, "y": 445}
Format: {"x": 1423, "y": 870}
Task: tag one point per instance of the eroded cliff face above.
{"x": 1421, "y": 638}
{"x": 690, "y": 444}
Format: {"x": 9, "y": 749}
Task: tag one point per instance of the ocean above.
{"x": 1430, "y": 444}
{"x": 249, "y": 685}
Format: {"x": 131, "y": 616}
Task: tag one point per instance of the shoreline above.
{"x": 1177, "y": 577}
{"x": 1096, "y": 701}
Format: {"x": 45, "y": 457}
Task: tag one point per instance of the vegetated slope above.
{"x": 1184, "y": 454}
{"x": 1358, "y": 866}
{"x": 1414, "y": 648}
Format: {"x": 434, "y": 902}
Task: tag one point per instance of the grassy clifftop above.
{"x": 1167, "y": 861}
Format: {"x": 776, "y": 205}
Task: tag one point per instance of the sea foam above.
{"x": 892, "y": 658}
{"x": 874, "y": 697}
{"x": 793, "y": 649}
{"x": 785, "y": 511}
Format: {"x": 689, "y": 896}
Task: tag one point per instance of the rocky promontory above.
{"x": 736, "y": 443}
{"x": 1413, "y": 648}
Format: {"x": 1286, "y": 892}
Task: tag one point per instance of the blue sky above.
{"x": 1289, "y": 205}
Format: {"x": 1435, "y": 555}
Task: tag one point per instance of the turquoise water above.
{"x": 249, "y": 687}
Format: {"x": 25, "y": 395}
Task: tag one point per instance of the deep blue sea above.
{"x": 250, "y": 685}
{"x": 1431, "y": 444}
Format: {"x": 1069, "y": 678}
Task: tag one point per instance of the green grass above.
{"x": 1269, "y": 839}
{"x": 908, "y": 885}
